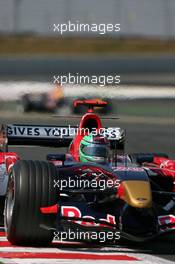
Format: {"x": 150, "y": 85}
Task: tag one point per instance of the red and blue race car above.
{"x": 130, "y": 197}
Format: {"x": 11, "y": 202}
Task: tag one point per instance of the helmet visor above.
{"x": 96, "y": 150}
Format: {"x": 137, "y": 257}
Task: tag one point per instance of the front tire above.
{"x": 31, "y": 186}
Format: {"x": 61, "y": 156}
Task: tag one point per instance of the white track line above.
{"x": 17, "y": 88}
{"x": 144, "y": 258}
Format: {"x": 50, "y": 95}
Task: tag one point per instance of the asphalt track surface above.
{"x": 143, "y": 135}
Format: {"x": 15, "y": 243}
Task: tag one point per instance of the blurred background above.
{"x": 142, "y": 53}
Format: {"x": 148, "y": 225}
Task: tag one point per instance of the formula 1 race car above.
{"x": 130, "y": 197}
{"x": 43, "y": 102}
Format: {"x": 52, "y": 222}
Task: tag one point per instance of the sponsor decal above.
{"x": 133, "y": 169}
{"x": 167, "y": 220}
{"x": 72, "y": 211}
{"x": 111, "y": 133}
{"x": 34, "y": 131}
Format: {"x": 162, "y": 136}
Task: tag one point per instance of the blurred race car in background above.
{"x": 53, "y": 100}
{"x": 44, "y": 102}
{"x": 138, "y": 206}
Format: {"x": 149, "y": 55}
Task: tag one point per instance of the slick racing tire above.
{"x": 31, "y": 186}
{"x": 27, "y": 107}
{"x": 107, "y": 109}
{"x": 145, "y": 157}
{"x": 79, "y": 109}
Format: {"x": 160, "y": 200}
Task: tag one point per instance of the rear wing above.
{"x": 91, "y": 103}
{"x": 51, "y": 136}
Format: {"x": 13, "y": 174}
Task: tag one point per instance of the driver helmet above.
{"x": 94, "y": 148}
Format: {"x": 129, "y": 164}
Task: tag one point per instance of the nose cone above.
{"x": 137, "y": 193}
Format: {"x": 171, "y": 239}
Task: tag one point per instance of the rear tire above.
{"x": 108, "y": 108}
{"x": 31, "y": 186}
{"x": 26, "y": 103}
{"x": 79, "y": 109}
